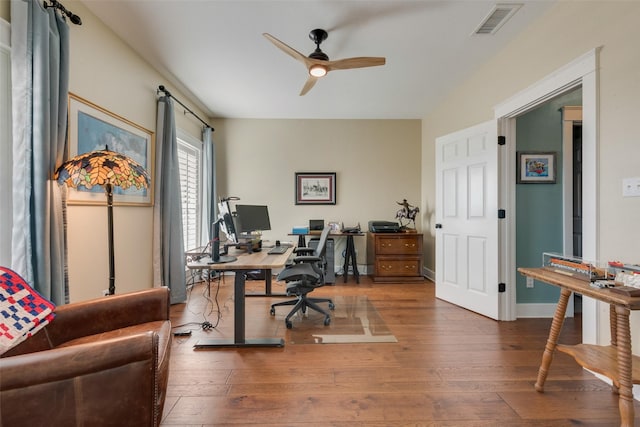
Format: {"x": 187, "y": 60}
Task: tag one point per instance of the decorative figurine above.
{"x": 408, "y": 213}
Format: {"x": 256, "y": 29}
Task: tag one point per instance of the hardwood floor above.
{"x": 450, "y": 367}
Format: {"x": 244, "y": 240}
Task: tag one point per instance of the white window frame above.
{"x": 188, "y": 145}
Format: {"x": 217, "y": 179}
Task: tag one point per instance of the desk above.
{"x": 350, "y": 251}
{"x": 246, "y": 262}
{"x": 614, "y": 361}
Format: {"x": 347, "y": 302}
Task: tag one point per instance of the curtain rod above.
{"x": 57, "y": 5}
{"x": 161, "y": 88}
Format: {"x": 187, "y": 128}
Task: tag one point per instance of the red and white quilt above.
{"x": 23, "y": 311}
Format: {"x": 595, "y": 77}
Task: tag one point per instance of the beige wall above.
{"x": 105, "y": 71}
{"x": 377, "y": 163}
{"x": 567, "y": 31}
{"x": 5, "y": 12}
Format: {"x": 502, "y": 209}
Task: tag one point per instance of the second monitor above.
{"x": 252, "y": 218}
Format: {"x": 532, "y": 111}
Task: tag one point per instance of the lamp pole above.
{"x": 108, "y": 188}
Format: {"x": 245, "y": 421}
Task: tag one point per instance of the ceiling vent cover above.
{"x": 498, "y": 16}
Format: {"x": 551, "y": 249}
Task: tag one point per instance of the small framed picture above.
{"x": 536, "y": 168}
{"x": 315, "y": 188}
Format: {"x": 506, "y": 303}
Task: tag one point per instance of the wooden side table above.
{"x": 614, "y": 361}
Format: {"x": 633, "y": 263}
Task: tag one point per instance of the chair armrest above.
{"x": 63, "y": 363}
{"x": 108, "y": 313}
{"x": 307, "y": 258}
{"x": 303, "y": 250}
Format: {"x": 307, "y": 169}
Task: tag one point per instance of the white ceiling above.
{"x": 215, "y": 51}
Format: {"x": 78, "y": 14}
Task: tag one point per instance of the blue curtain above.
{"x": 168, "y": 244}
{"x": 209, "y": 198}
{"x": 40, "y": 70}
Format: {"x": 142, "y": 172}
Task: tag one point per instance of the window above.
{"x": 190, "y": 165}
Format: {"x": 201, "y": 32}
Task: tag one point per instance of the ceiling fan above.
{"x": 318, "y": 63}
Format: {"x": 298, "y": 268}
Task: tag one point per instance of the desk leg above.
{"x": 350, "y": 259}
{"x": 267, "y": 281}
{"x": 267, "y": 287}
{"x": 354, "y": 263}
{"x": 613, "y": 327}
{"x": 552, "y": 341}
{"x": 623, "y": 335}
{"x": 239, "y": 339}
{"x": 238, "y": 307}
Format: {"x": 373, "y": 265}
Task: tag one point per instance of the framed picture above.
{"x": 536, "y": 168}
{"x": 315, "y": 188}
{"x": 92, "y": 128}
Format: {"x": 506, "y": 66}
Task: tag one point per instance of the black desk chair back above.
{"x": 302, "y": 277}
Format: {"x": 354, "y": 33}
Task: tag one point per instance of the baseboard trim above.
{"x": 429, "y": 274}
{"x": 543, "y": 310}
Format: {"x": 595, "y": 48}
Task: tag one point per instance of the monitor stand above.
{"x": 216, "y": 258}
{"x": 222, "y": 259}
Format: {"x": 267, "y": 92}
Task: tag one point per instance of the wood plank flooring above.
{"x": 450, "y": 367}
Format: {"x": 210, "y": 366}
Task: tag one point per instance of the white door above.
{"x": 467, "y": 219}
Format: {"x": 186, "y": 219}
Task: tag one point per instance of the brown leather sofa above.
{"x": 103, "y": 362}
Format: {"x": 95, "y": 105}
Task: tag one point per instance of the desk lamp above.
{"x": 107, "y": 169}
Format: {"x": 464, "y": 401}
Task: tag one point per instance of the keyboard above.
{"x": 278, "y": 250}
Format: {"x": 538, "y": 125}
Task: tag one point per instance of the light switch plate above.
{"x": 631, "y": 187}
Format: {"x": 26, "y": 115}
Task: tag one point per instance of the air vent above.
{"x": 498, "y": 16}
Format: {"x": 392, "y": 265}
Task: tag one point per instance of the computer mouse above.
{"x": 277, "y": 242}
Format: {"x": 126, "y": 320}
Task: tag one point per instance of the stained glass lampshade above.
{"x": 101, "y": 168}
{"x": 107, "y": 169}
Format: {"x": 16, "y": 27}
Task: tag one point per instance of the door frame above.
{"x": 570, "y": 116}
{"x": 583, "y": 72}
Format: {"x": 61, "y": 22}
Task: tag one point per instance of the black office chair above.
{"x": 302, "y": 277}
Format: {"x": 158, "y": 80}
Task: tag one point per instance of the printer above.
{"x": 384, "y": 227}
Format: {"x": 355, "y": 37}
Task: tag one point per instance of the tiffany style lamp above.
{"x": 107, "y": 169}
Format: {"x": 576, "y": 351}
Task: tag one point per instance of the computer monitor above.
{"x": 251, "y": 218}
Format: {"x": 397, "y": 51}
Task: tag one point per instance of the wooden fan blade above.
{"x": 311, "y": 81}
{"x": 358, "y": 62}
{"x": 287, "y": 49}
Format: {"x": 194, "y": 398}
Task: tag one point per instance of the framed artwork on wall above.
{"x": 93, "y": 128}
{"x": 315, "y": 188}
{"x": 536, "y": 168}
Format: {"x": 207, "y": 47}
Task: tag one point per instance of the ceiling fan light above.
{"x": 318, "y": 70}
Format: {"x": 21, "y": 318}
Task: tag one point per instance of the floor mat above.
{"x": 354, "y": 320}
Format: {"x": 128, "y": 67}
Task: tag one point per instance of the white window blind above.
{"x": 190, "y": 165}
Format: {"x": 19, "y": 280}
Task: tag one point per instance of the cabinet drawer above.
{"x": 409, "y": 245}
{"x": 397, "y": 266}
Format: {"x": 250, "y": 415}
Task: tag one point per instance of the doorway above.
{"x": 572, "y": 146}
{"x": 544, "y": 210}
{"x": 583, "y": 71}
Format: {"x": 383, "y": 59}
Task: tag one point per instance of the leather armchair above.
{"x": 103, "y": 362}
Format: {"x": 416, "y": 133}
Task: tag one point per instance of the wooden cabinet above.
{"x": 394, "y": 257}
